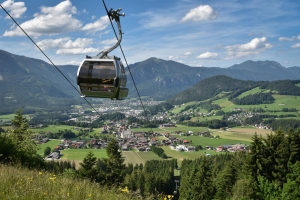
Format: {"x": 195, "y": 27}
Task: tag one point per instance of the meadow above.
{"x": 57, "y": 128}
{"x": 21, "y": 183}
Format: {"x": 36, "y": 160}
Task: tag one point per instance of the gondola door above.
{"x": 96, "y": 78}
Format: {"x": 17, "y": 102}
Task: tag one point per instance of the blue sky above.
{"x": 213, "y": 33}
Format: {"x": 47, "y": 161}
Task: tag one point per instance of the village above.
{"x": 141, "y": 142}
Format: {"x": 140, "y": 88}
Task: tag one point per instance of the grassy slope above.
{"x": 18, "y": 183}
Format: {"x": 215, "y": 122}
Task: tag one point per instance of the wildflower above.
{"x": 53, "y": 179}
{"x": 40, "y": 173}
{"x": 68, "y": 194}
{"x": 89, "y": 195}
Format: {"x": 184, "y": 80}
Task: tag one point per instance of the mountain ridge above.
{"x": 24, "y": 78}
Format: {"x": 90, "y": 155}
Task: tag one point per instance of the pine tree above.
{"x": 225, "y": 181}
{"x": 115, "y": 163}
{"x": 87, "y": 167}
{"x": 17, "y": 145}
{"x": 291, "y": 189}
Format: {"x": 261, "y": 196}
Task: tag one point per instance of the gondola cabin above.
{"x": 102, "y": 78}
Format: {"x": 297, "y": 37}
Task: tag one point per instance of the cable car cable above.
{"x": 127, "y": 64}
{"x": 49, "y": 59}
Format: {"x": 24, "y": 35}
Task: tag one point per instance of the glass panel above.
{"x": 104, "y": 70}
{"x": 83, "y": 73}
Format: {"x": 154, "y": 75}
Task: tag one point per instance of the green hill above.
{"x": 19, "y": 183}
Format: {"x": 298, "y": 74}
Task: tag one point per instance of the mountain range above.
{"x": 29, "y": 83}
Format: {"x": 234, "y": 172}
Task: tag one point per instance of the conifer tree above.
{"x": 87, "y": 167}
{"x": 115, "y": 171}
{"x": 225, "y": 181}
{"x": 291, "y": 189}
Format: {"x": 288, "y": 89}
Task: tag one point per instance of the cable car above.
{"x": 104, "y": 76}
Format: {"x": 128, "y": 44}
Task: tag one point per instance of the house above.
{"x": 190, "y": 148}
{"x": 204, "y": 134}
{"x": 44, "y": 140}
{"x": 185, "y": 141}
{"x": 53, "y": 156}
{"x": 127, "y": 134}
{"x": 180, "y": 148}
{"x": 167, "y": 125}
{"x": 125, "y": 147}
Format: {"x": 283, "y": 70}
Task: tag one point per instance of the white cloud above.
{"x": 78, "y": 43}
{"x": 73, "y": 63}
{"x": 256, "y": 46}
{"x": 67, "y": 46}
{"x": 51, "y": 20}
{"x": 187, "y": 53}
{"x": 289, "y": 39}
{"x": 286, "y": 38}
{"x": 77, "y": 51}
{"x": 52, "y": 43}
{"x": 201, "y": 13}
{"x": 296, "y": 46}
{"x": 98, "y": 25}
{"x": 208, "y": 55}
{"x": 109, "y": 42}
{"x": 17, "y": 9}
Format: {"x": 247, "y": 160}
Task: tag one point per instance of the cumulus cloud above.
{"x": 208, "y": 55}
{"x": 51, "y": 20}
{"x": 201, "y": 13}
{"x": 256, "y": 46}
{"x": 67, "y": 46}
{"x": 52, "y": 43}
{"x": 295, "y": 46}
{"x": 98, "y": 25}
{"x": 17, "y": 9}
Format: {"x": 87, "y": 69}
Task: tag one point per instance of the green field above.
{"x": 177, "y": 110}
{"x": 281, "y": 101}
{"x": 56, "y": 128}
{"x": 8, "y": 118}
{"x": 253, "y": 91}
{"x": 79, "y": 154}
{"x": 148, "y": 156}
{"x": 132, "y": 157}
{"x": 52, "y": 143}
{"x": 180, "y": 156}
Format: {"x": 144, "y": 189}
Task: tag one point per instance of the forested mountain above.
{"x": 210, "y": 87}
{"x": 162, "y": 79}
{"x": 27, "y": 82}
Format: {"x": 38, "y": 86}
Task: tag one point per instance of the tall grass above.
{"x": 24, "y": 184}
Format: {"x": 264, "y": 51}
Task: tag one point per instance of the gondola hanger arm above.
{"x": 114, "y": 15}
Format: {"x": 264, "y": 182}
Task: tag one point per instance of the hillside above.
{"x": 33, "y": 84}
{"x": 211, "y": 87}
{"x": 18, "y": 183}
{"x": 27, "y": 83}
